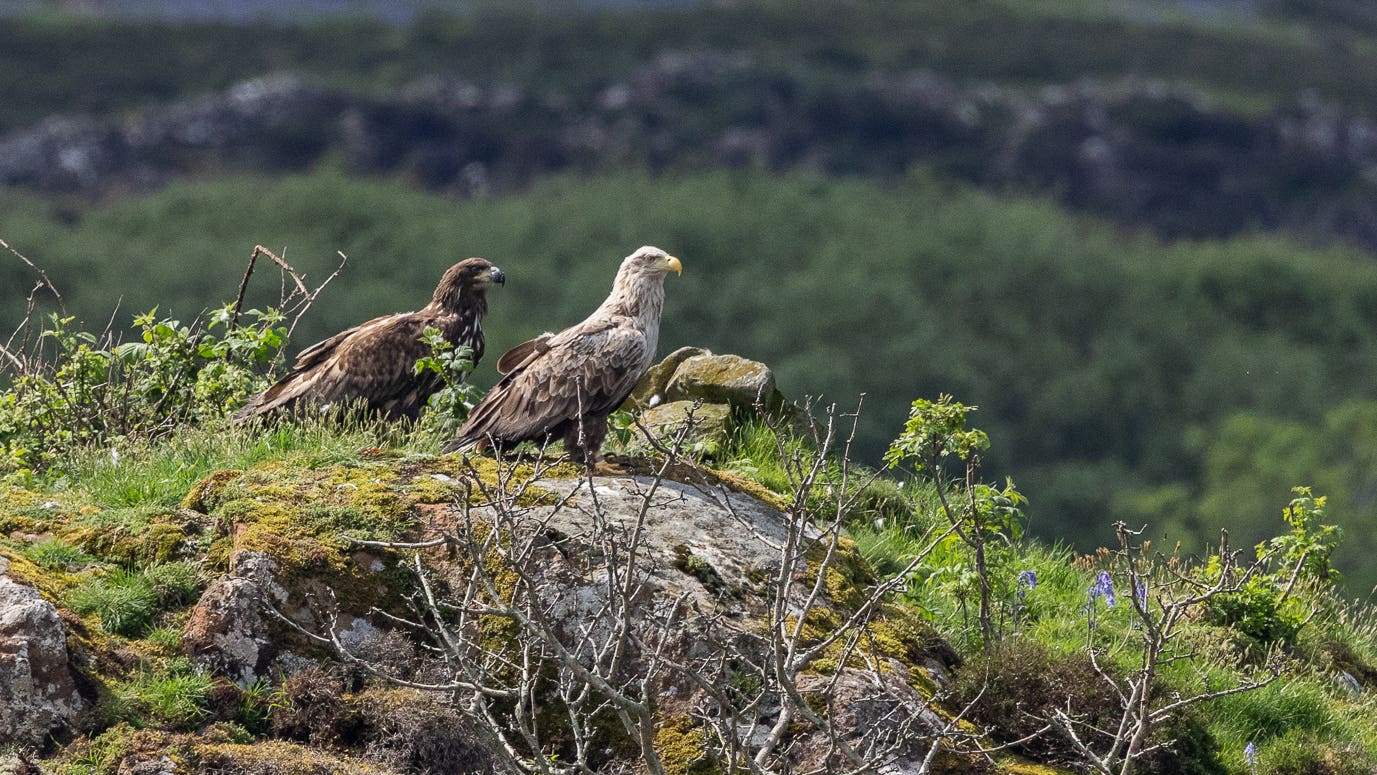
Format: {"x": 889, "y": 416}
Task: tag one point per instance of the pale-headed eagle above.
{"x": 563, "y": 386}
{"x": 375, "y": 361}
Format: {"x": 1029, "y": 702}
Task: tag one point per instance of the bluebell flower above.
{"x": 1250, "y": 753}
{"x": 1026, "y": 580}
{"x": 1102, "y": 588}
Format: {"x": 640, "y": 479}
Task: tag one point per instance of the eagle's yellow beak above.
{"x": 672, "y": 265}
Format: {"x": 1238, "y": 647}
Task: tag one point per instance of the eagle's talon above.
{"x": 608, "y": 468}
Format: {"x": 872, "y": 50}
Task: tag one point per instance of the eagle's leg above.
{"x": 583, "y": 439}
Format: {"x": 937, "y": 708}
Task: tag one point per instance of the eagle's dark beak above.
{"x": 496, "y": 276}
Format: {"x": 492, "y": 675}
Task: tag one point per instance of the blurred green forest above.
{"x": 1186, "y": 385}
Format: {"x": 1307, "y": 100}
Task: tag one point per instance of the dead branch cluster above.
{"x": 577, "y": 654}
{"x": 21, "y": 354}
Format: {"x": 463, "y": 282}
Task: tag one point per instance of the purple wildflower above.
{"x": 1102, "y": 588}
{"x": 1026, "y": 580}
{"x": 1140, "y": 592}
{"x": 1250, "y": 753}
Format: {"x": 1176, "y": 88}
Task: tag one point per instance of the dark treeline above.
{"x": 1190, "y": 130}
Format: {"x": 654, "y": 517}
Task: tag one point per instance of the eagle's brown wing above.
{"x": 516, "y": 357}
{"x": 374, "y": 361}
{"x": 586, "y": 370}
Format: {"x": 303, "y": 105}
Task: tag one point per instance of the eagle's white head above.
{"x": 639, "y": 290}
{"x": 648, "y": 263}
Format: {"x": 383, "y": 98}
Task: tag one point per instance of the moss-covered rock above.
{"x": 711, "y": 429}
{"x": 651, "y": 387}
{"x": 723, "y": 379}
{"x": 682, "y": 747}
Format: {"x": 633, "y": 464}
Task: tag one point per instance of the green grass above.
{"x": 172, "y": 695}
{"x": 122, "y": 600}
{"x": 127, "y": 601}
{"x": 56, "y": 555}
{"x": 754, "y": 452}
{"x": 151, "y": 477}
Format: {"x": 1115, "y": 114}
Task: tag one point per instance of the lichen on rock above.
{"x": 37, "y": 692}
{"x": 229, "y": 632}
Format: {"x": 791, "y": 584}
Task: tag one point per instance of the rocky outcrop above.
{"x": 707, "y": 552}
{"x": 715, "y": 555}
{"x": 37, "y": 693}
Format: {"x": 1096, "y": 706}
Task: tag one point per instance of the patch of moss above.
{"x": 128, "y": 537}
{"x": 204, "y": 496}
{"x": 748, "y": 486}
{"x": 899, "y": 631}
{"x": 1012, "y": 765}
{"x": 276, "y": 757}
{"x": 48, "y": 582}
{"x": 491, "y": 474}
{"x": 681, "y": 747}
{"x": 847, "y": 576}
{"x": 217, "y": 557}
{"x": 695, "y": 566}
{"x": 23, "y": 510}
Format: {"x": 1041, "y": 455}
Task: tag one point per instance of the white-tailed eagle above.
{"x": 563, "y": 386}
{"x": 375, "y": 362}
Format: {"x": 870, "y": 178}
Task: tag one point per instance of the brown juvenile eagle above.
{"x": 375, "y": 361}
{"x": 565, "y": 385}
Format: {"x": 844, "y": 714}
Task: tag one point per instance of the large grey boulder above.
{"x": 37, "y": 693}
{"x": 707, "y": 558}
{"x": 698, "y": 539}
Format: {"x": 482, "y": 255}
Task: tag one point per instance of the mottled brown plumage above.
{"x": 563, "y": 386}
{"x": 375, "y": 361}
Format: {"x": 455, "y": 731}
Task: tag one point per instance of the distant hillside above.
{"x": 1191, "y": 127}
{"x": 820, "y": 180}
